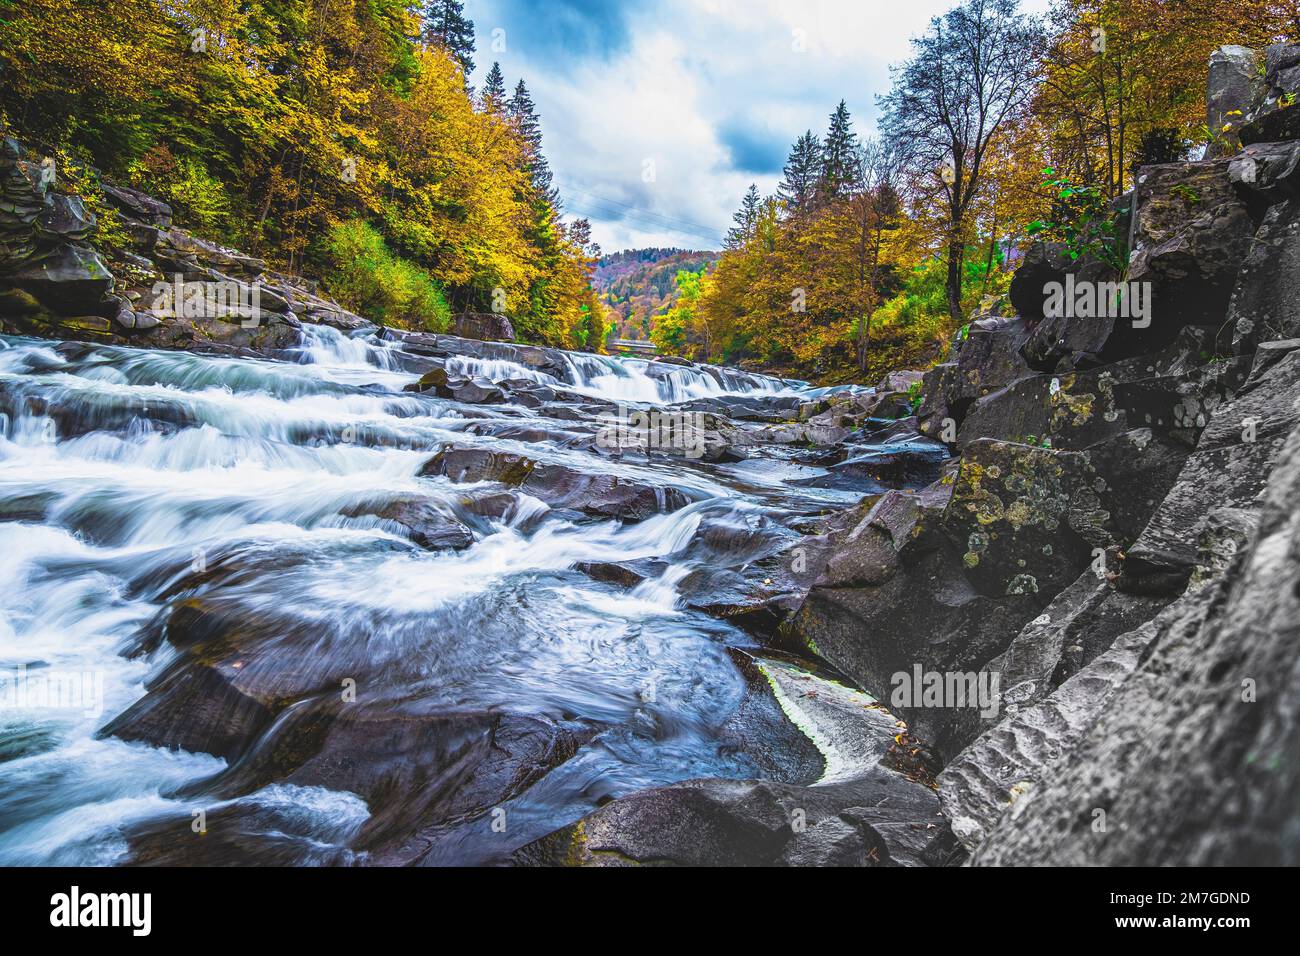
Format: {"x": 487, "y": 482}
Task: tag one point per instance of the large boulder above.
{"x": 1210, "y": 704}
{"x": 1266, "y": 301}
{"x": 987, "y": 358}
{"x": 138, "y": 206}
{"x": 1275, "y": 116}
{"x": 70, "y": 278}
{"x": 598, "y": 494}
{"x": 1171, "y": 392}
{"x": 1235, "y": 87}
{"x": 1191, "y": 233}
{"x": 422, "y": 769}
{"x": 468, "y": 391}
{"x": 484, "y": 326}
{"x": 989, "y": 777}
{"x": 1229, "y": 469}
{"x": 64, "y": 219}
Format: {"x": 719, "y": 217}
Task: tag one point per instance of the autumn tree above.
{"x": 874, "y": 211}
{"x": 1120, "y": 75}
{"x": 970, "y": 75}
{"x": 335, "y": 139}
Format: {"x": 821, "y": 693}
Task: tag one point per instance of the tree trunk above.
{"x": 954, "y": 280}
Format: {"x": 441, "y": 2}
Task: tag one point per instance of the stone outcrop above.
{"x": 1148, "y": 712}
{"x": 484, "y": 326}
{"x": 1208, "y": 701}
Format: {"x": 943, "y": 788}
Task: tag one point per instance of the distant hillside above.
{"x": 640, "y": 284}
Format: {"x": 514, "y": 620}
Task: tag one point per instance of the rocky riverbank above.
{"x": 1089, "y": 518}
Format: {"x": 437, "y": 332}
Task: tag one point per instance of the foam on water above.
{"x": 118, "y": 465}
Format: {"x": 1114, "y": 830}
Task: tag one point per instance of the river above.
{"x": 134, "y": 483}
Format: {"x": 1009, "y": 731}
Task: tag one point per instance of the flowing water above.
{"x": 132, "y": 480}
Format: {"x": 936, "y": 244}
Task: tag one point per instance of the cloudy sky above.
{"x": 658, "y": 114}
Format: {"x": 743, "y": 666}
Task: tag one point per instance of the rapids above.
{"x": 128, "y": 476}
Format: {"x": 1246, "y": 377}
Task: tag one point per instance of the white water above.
{"x": 120, "y": 469}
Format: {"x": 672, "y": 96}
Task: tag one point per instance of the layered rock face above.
{"x": 1116, "y": 544}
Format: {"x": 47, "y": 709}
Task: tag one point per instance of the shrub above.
{"x": 367, "y": 277}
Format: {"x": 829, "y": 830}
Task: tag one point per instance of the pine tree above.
{"x": 446, "y": 25}
{"x": 802, "y": 173}
{"x": 524, "y": 115}
{"x": 745, "y": 219}
{"x": 494, "y": 90}
{"x": 840, "y": 175}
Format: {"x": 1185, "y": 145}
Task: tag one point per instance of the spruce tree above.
{"x": 494, "y": 90}
{"x": 840, "y": 175}
{"x": 524, "y": 115}
{"x": 745, "y": 219}
{"x": 802, "y": 174}
{"x": 446, "y": 25}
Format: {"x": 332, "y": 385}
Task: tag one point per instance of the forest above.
{"x": 343, "y": 141}
{"x": 640, "y": 286}
{"x": 334, "y": 140}
{"x": 1000, "y": 129}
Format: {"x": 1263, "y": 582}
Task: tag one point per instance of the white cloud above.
{"x": 712, "y": 91}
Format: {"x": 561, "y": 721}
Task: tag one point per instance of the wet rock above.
{"x": 475, "y": 391}
{"x": 419, "y": 769}
{"x": 210, "y": 698}
{"x": 528, "y": 393}
{"x": 600, "y": 495}
{"x": 895, "y": 596}
{"x": 550, "y": 361}
{"x": 561, "y": 487}
{"x": 466, "y": 464}
{"x": 420, "y": 519}
{"x": 901, "y": 463}
{"x": 858, "y": 814}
